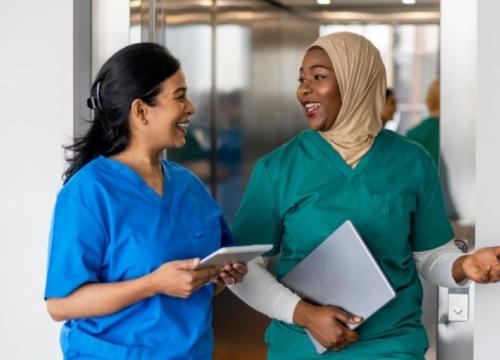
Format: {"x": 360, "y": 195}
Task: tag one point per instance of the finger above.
{"x": 233, "y": 273}
{"x": 236, "y": 276}
{"x": 241, "y": 268}
{"x": 200, "y": 281}
{"x": 496, "y": 250}
{"x": 495, "y": 273}
{"x": 217, "y": 281}
{"x": 338, "y": 346}
{"x": 346, "y": 317}
{"x": 351, "y": 336}
{"x": 188, "y": 264}
{"x": 480, "y": 276}
{"x": 224, "y": 276}
{"x": 203, "y": 275}
{"x": 227, "y": 278}
{"x": 227, "y": 267}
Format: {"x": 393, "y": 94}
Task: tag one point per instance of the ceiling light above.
{"x": 323, "y": 2}
{"x": 135, "y": 3}
{"x": 408, "y": 2}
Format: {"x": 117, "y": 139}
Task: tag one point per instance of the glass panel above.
{"x": 196, "y": 63}
{"x": 233, "y": 73}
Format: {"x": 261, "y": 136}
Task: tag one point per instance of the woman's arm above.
{"x": 448, "y": 267}
{"x": 482, "y": 266}
{"x": 260, "y": 290}
{"x": 435, "y": 265}
{"x": 176, "y": 278}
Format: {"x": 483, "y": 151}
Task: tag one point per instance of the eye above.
{"x": 181, "y": 98}
{"x": 319, "y": 77}
{"x": 300, "y": 80}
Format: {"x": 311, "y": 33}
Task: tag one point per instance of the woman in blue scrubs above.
{"x": 129, "y": 229}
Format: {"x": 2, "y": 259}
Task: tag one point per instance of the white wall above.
{"x": 471, "y": 127}
{"x": 36, "y": 102}
{"x": 458, "y": 81}
{"x": 110, "y": 30}
{"x": 487, "y": 309}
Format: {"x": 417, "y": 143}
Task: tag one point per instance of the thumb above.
{"x": 348, "y": 318}
{"x": 188, "y": 264}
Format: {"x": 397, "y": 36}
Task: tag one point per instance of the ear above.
{"x": 138, "y": 112}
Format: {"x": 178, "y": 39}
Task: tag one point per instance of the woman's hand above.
{"x": 327, "y": 324}
{"x": 483, "y": 266}
{"x": 230, "y": 274}
{"x": 180, "y": 279}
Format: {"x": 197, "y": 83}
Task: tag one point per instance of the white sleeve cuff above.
{"x": 260, "y": 290}
{"x": 436, "y": 265}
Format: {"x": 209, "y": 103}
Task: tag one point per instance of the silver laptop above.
{"x": 341, "y": 272}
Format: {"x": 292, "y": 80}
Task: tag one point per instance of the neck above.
{"x": 142, "y": 160}
{"x": 146, "y": 165}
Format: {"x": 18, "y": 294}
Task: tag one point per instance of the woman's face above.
{"x": 170, "y": 117}
{"x": 318, "y": 90}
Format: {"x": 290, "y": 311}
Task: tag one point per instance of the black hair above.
{"x": 388, "y": 92}
{"x": 134, "y": 72}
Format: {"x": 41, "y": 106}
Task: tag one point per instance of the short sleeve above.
{"x": 257, "y": 220}
{"x": 76, "y": 248}
{"x": 430, "y": 225}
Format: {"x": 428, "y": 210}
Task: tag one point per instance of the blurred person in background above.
{"x": 390, "y": 108}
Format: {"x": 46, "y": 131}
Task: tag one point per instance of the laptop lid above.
{"x": 341, "y": 272}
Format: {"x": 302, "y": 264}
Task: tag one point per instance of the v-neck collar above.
{"x": 334, "y": 157}
{"x": 138, "y": 181}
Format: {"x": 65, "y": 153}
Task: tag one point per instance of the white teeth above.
{"x": 312, "y": 106}
{"x": 183, "y": 125}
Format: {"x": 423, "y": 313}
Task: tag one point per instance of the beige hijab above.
{"x": 361, "y": 78}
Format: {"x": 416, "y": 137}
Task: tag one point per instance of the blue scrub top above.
{"x": 108, "y": 226}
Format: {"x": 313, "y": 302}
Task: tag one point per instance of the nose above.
{"x": 189, "y": 109}
{"x": 304, "y": 88}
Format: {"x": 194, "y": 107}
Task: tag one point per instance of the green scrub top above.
{"x": 427, "y": 134}
{"x": 301, "y": 192}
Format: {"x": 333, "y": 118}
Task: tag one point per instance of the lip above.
{"x": 181, "y": 127}
{"x": 310, "y": 108}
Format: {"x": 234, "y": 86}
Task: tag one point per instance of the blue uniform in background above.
{"x": 110, "y": 226}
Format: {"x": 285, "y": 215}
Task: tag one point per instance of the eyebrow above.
{"x": 181, "y": 89}
{"x": 315, "y": 66}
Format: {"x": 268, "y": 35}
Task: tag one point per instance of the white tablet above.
{"x": 233, "y": 254}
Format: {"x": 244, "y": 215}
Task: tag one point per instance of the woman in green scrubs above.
{"x": 346, "y": 167}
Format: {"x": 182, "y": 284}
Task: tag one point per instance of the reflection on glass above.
{"x": 415, "y": 66}
{"x": 233, "y": 78}
{"x": 192, "y": 44}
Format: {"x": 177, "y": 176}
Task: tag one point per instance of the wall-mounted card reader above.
{"x": 458, "y": 304}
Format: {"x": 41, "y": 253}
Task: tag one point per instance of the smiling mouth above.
{"x": 183, "y": 126}
{"x": 311, "y": 108}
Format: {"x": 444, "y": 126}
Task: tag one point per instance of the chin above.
{"x": 176, "y": 143}
{"x": 317, "y": 125}
{"x": 179, "y": 144}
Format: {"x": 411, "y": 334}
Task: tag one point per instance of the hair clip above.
{"x": 98, "y": 95}
{"x": 92, "y": 103}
